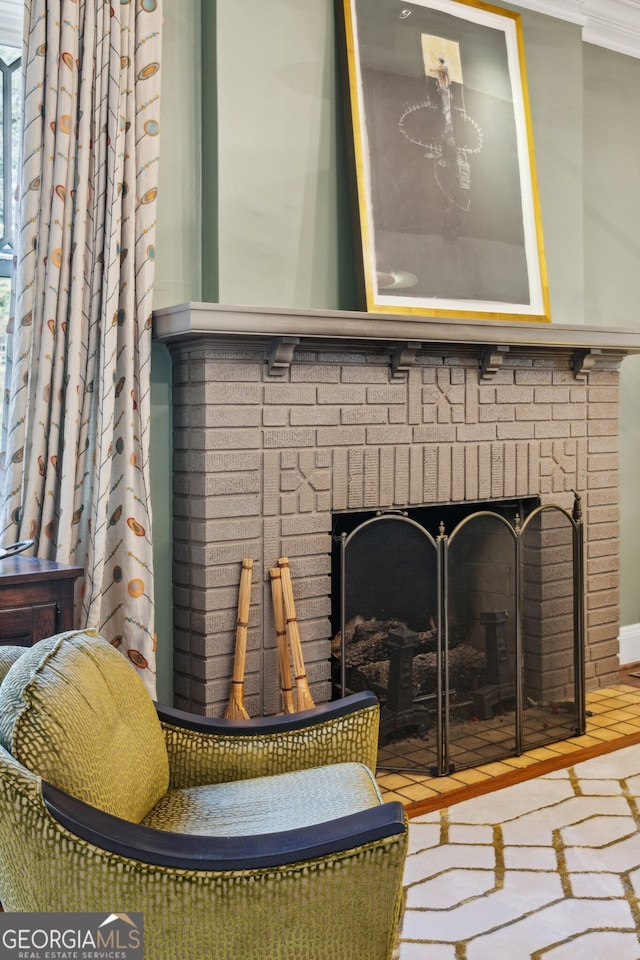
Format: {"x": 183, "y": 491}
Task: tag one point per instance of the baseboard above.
{"x": 629, "y": 639}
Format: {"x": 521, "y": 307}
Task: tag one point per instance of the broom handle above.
{"x": 281, "y": 637}
{"x": 302, "y": 685}
{"x": 242, "y": 622}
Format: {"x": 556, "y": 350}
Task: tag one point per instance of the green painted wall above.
{"x": 178, "y": 279}
{"x": 612, "y": 262}
{"x": 281, "y": 170}
{"x": 264, "y": 218}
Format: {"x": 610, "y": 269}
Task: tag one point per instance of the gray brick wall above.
{"x": 262, "y": 462}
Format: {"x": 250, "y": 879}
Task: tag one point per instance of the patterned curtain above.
{"x": 77, "y": 407}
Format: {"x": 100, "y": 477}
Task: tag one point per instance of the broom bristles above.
{"x": 236, "y": 709}
{"x": 304, "y": 700}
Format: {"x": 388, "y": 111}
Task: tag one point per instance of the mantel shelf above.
{"x": 190, "y": 321}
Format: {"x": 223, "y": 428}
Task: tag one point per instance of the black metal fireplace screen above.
{"x": 473, "y": 640}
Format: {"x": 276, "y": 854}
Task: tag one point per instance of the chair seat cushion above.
{"x": 74, "y": 711}
{"x": 285, "y": 801}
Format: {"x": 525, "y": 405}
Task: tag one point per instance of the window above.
{"x": 10, "y": 116}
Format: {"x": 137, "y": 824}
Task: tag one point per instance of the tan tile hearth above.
{"x": 613, "y": 721}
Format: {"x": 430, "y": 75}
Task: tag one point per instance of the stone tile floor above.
{"x": 614, "y": 714}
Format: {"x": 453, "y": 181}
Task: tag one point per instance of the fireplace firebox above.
{"x": 442, "y": 612}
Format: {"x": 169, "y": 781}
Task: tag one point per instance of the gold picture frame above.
{"x": 442, "y": 154}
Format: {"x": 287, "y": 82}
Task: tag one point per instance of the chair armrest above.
{"x": 188, "y": 852}
{"x": 211, "y": 750}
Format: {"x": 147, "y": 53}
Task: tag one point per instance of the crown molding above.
{"x": 614, "y": 24}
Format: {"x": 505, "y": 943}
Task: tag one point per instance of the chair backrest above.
{"x": 74, "y": 711}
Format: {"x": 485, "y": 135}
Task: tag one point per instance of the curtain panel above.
{"x": 77, "y": 398}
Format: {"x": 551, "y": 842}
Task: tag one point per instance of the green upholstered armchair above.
{"x": 237, "y": 840}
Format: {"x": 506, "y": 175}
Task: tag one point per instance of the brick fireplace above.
{"x": 283, "y": 419}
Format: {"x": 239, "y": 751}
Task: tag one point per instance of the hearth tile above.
{"x": 566, "y": 746}
{"x": 630, "y": 697}
{"x": 470, "y": 742}
{"x": 418, "y": 791}
{"x": 621, "y": 714}
{"x": 624, "y": 728}
{"x": 612, "y": 703}
{"x": 541, "y": 753}
{"x": 596, "y": 705}
{"x": 393, "y": 781}
{"x": 491, "y": 735}
{"x": 519, "y": 763}
{"x": 420, "y": 775}
{"x": 489, "y": 753}
{"x": 603, "y": 719}
{"x": 403, "y": 747}
{"x": 635, "y": 720}
{"x": 585, "y": 740}
{"x": 421, "y": 758}
{"x": 390, "y": 797}
{"x": 471, "y": 775}
{"x": 443, "y": 784}
{"x": 606, "y": 733}
{"x": 630, "y": 700}
{"x": 495, "y": 769}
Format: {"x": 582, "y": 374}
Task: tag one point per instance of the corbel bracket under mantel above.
{"x": 582, "y": 362}
{"x": 281, "y": 355}
{"x": 404, "y": 357}
{"x": 491, "y": 360}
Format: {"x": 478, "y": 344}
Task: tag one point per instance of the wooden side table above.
{"x": 36, "y": 599}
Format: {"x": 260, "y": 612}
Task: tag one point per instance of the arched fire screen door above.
{"x": 473, "y": 640}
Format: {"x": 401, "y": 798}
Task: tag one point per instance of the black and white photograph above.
{"x": 443, "y": 160}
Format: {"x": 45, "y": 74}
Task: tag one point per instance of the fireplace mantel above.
{"x": 221, "y": 321}
{"x": 403, "y": 336}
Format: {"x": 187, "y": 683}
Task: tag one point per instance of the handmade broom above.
{"x": 281, "y": 637}
{"x": 235, "y": 708}
{"x": 304, "y": 700}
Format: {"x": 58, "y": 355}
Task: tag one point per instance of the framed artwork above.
{"x": 444, "y": 174}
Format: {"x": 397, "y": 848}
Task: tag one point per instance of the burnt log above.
{"x": 366, "y": 640}
{"x": 466, "y": 669}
